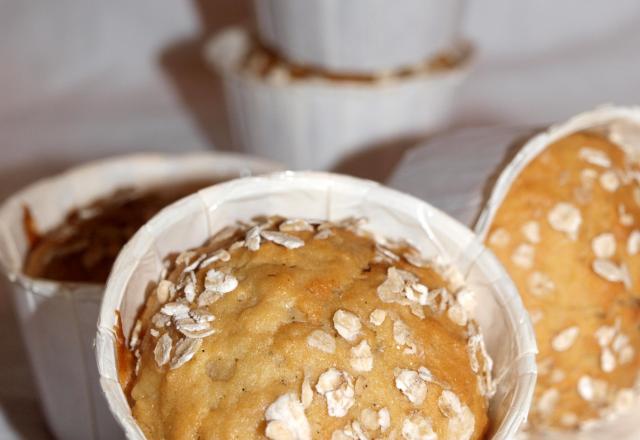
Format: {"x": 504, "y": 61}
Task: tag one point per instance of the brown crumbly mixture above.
{"x": 260, "y": 349}
{"x": 84, "y": 247}
{"x": 586, "y": 319}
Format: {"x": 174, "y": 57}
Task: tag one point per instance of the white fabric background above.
{"x": 81, "y": 79}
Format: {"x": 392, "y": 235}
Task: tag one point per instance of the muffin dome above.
{"x": 294, "y": 329}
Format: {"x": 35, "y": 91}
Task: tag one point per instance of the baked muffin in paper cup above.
{"x": 360, "y": 35}
{"x": 598, "y": 213}
{"x": 390, "y": 214}
{"x": 58, "y": 319}
{"x": 313, "y": 120}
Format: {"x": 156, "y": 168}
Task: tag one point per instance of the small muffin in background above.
{"x": 568, "y": 233}
{"x": 295, "y": 329}
{"x": 85, "y": 245}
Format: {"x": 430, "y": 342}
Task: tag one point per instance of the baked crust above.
{"x": 568, "y": 232}
{"x": 305, "y": 343}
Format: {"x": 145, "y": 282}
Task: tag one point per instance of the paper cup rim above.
{"x": 90, "y": 290}
{"x": 505, "y": 291}
{"x": 601, "y": 116}
{"x": 238, "y": 40}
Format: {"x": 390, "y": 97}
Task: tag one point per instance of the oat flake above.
{"x": 540, "y": 284}
{"x": 604, "y": 245}
{"x": 361, "y": 357}
{"x": 566, "y": 218}
{"x": 633, "y": 242}
{"x": 547, "y": 402}
{"x": 411, "y": 385}
{"x": 321, "y": 340}
{"x": 295, "y": 225}
{"x": 595, "y": 157}
{"x": 523, "y": 256}
{"x": 418, "y": 427}
{"x": 286, "y": 419}
{"x": 499, "y": 238}
{"x": 282, "y": 239}
{"x": 531, "y": 231}
{"x": 377, "y": 317}
{"x": 565, "y": 339}
{"x": 162, "y": 351}
{"x": 347, "y": 324}
{"x": 185, "y": 350}
{"x": 609, "y": 181}
{"x": 337, "y": 387}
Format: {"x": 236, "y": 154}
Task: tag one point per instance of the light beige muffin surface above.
{"x": 568, "y": 233}
{"x": 293, "y": 330}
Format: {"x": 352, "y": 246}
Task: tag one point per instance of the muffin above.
{"x": 295, "y": 329}
{"x": 568, "y": 232}
{"x": 84, "y": 246}
{"x": 312, "y": 117}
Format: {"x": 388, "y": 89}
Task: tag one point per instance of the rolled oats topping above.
{"x": 286, "y": 419}
{"x": 306, "y": 393}
{"x": 565, "y": 218}
{"x": 609, "y": 181}
{"x": 564, "y": 340}
{"x": 162, "y": 351}
{"x": 165, "y": 291}
{"x": 523, "y": 256}
{"x": 624, "y": 217}
{"x": 595, "y": 157}
{"x": 633, "y": 242}
{"x": 377, "y": 317}
{"x": 361, "y": 357}
{"x": 220, "y": 282}
{"x": 607, "y": 360}
{"x": 461, "y": 420}
{"x": 604, "y": 245}
{"x": 402, "y": 336}
{"x": 499, "y": 238}
{"x": 296, "y": 225}
{"x": 282, "y": 239}
{"x": 540, "y": 284}
{"x": 347, "y": 324}
{"x": 411, "y": 385}
{"x": 610, "y": 271}
{"x": 531, "y": 231}
{"x": 418, "y": 427}
{"x": 321, "y": 340}
{"x": 547, "y": 402}
{"x": 185, "y": 350}
{"x": 337, "y": 387}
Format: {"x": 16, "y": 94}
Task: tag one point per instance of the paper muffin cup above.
{"x": 358, "y": 36}
{"x": 58, "y": 319}
{"x": 622, "y": 126}
{"x": 189, "y": 222}
{"x": 315, "y": 123}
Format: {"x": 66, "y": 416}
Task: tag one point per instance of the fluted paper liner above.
{"x": 622, "y": 126}
{"x": 188, "y": 223}
{"x": 58, "y": 319}
{"x": 316, "y": 123}
{"x": 358, "y": 36}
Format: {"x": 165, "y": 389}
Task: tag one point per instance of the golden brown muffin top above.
{"x": 289, "y": 329}
{"x": 568, "y": 232}
{"x": 85, "y": 245}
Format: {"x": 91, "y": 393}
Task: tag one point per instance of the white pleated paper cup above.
{"x": 58, "y": 319}
{"x": 391, "y": 214}
{"x": 316, "y": 123}
{"x": 622, "y": 126}
{"x": 358, "y": 36}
